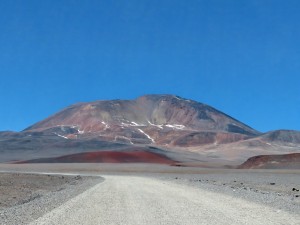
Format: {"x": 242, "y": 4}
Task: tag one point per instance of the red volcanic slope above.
{"x": 286, "y": 161}
{"x": 107, "y": 157}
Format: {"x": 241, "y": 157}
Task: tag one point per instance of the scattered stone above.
{"x": 295, "y": 189}
{"x": 178, "y": 165}
{"x": 78, "y": 177}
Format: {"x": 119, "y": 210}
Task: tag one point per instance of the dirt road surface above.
{"x": 141, "y": 200}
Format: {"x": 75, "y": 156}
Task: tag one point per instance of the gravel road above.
{"x": 145, "y": 200}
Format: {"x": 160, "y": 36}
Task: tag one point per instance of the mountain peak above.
{"x": 149, "y": 119}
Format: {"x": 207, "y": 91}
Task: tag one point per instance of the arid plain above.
{"x": 138, "y": 193}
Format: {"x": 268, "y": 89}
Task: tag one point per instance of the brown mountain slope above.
{"x": 286, "y": 161}
{"x": 150, "y": 119}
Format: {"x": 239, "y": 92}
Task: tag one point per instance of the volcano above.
{"x": 167, "y": 126}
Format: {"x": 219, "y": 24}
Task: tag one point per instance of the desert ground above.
{"x": 146, "y": 194}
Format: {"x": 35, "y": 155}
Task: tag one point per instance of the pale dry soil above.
{"x": 146, "y": 200}
{"x": 147, "y": 194}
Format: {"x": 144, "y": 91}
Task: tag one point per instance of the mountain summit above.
{"x": 150, "y": 119}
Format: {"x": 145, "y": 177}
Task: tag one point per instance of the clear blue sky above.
{"x": 241, "y": 57}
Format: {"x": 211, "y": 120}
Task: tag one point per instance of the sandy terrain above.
{"x": 150, "y": 194}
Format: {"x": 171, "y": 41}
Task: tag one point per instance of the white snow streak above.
{"x": 175, "y": 126}
{"x": 61, "y": 136}
{"x": 160, "y": 126}
{"x": 146, "y": 135}
{"x": 80, "y": 131}
{"x": 132, "y": 124}
{"x": 177, "y": 98}
{"x": 106, "y": 125}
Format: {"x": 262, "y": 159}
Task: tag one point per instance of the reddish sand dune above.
{"x": 107, "y": 157}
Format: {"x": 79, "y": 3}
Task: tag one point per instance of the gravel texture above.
{"x": 26, "y": 197}
{"x": 146, "y": 201}
{"x": 280, "y": 191}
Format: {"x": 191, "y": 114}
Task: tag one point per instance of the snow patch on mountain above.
{"x": 175, "y": 126}
{"x": 146, "y": 135}
{"x": 59, "y": 135}
{"x": 160, "y": 126}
